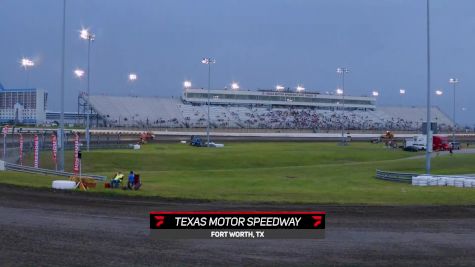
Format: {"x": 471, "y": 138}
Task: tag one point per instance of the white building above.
{"x": 23, "y": 106}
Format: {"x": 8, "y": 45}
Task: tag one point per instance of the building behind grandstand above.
{"x": 23, "y": 106}
{"x": 262, "y": 109}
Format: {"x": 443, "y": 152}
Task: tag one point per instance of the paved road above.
{"x": 40, "y": 227}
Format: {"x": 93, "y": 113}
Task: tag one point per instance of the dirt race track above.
{"x": 46, "y": 228}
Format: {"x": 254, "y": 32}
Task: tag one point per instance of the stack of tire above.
{"x": 428, "y": 180}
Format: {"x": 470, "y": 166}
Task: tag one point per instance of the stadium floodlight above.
{"x": 342, "y": 71}
{"x": 402, "y": 91}
{"x": 208, "y": 61}
{"x": 454, "y": 82}
{"x": 89, "y": 37}
{"x": 300, "y": 88}
{"x": 27, "y": 63}
{"x": 339, "y": 91}
{"x": 235, "y": 86}
{"x": 375, "y": 93}
{"x": 86, "y": 35}
{"x": 187, "y": 84}
{"x": 79, "y": 73}
{"x": 279, "y": 87}
{"x": 439, "y": 92}
{"x": 132, "y": 77}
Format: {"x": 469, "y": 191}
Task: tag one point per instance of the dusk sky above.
{"x": 258, "y": 43}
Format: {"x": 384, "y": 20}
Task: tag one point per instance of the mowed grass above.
{"x": 308, "y": 172}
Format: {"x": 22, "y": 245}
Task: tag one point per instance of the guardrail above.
{"x": 28, "y": 169}
{"x": 400, "y": 177}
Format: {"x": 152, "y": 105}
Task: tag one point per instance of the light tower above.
{"x": 454, "y": 82}
{"x": 26, "y": 64}
{"x": 342, "y": 71}
{"x": 208, "y": 61}
{"x": 89, "y": 37}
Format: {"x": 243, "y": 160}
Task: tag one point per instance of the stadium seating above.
{"x": 174, "y": 113}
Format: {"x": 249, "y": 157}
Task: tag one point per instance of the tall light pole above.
{"x": 438, "y": 92}
{"x": 27, "y": 63}
{"x": 89, "y": 37}
{"x": 342, "y": 71}
{"x": 132, "y": 78}
{"x": 79, "y": 73}
{"x": 454, "y": 82}
{"x": 208, "y": 61}
{"x": 428, "y": 124}
{"x": 61, "y": 116}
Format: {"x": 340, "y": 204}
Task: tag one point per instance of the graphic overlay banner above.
{"x": 237, "y": 224}
{"x": 35, "y": 151}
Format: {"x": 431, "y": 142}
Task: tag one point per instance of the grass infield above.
{"x": 307, "y": 172}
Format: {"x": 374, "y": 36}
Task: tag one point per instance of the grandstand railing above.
{"x": 28, "y": 169}
{"x": 400, "y": 177}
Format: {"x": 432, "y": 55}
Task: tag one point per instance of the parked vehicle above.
{"x": 455, "y": 145}
{"x": 439, "y": 143}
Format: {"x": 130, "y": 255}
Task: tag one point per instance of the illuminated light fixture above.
{"x": 132, "y": 77}
{"x": 339, "y": 91}
{"x": 453, "y": 80}
{"x": 208, "y": 60}
{"x": 187, "y": 84}
{"x": 402, "y": 91}
{"x": 439, "y": 92}
{"x": 300, "y": 88}
{"x": 279, "y": 87}
{"x": 27, "y": 63}
{"x": 79, "y": 73}
{"x": 375, "y": 93}
{"x": 86, "y": 35}
{"x": 235, "y": 86}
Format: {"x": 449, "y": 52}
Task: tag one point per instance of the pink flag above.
{"x": 76, "y": 152}
{"x": 21, "y": 149}
{"x": 36, "y": 147}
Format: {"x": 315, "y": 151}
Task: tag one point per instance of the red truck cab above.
{"x": 440, "y": 143}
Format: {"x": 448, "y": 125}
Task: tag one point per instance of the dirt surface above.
{"x": 40, "y": 227}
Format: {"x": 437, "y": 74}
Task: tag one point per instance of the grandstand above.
{"x": 310, "y": 111}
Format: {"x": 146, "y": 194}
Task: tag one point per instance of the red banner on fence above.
{"x": 54, "y": 148}
{"x": 21, "y": 149}
{"x": 36, "y": 148}
{"x": 76, "y": 152}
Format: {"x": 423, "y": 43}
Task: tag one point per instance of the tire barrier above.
{"x": 63, "y": 184}
{"x": 427, "y": 180}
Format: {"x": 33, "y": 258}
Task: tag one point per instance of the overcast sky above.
{"x": 258, "y": 43}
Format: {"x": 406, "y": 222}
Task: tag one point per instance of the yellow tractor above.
{"x": 388, "y": 139}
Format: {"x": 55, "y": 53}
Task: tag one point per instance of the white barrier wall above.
{"x": 457, "y": 181}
